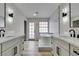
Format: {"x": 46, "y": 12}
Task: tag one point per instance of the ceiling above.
{"x": 44, "y": 9}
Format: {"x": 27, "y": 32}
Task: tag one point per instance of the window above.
{"x": 43, "y": 27}
{"x": 31, "y": 30}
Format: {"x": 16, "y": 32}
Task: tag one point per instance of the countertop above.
{"x": 5, "y": 39}
{"x": 70, "y": 40}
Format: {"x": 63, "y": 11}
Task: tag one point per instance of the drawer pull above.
{"x": 76, "y": 52}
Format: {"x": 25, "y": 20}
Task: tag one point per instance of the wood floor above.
{"x": 31, "y": 49}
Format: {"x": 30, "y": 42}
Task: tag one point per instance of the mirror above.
{"x": 74, "y": 15}
{"x": 2, "y": 21}
{"x": 2, "y": 15}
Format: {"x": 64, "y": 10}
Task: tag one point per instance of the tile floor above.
{"x": 31, "y": 49}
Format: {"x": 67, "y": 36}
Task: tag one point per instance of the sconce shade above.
{"x": 64, "y": 14}
{"x": 11, "y": 15}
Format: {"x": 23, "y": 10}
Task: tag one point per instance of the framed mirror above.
{"x": 74, "y": 15}
{"x": 2, "y": 15}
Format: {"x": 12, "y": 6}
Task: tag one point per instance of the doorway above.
{"x": 31, "y": 31}
{"x": 25, "y": 30}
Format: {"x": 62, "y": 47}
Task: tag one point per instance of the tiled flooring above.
{"x": 31, "y": 49}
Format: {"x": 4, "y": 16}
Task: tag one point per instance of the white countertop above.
{"x": 70, "y": 40}
{"x": 5, "y": 39}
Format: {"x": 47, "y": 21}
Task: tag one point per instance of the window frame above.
{"x": 47, "y": 27}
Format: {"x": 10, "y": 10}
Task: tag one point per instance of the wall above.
{"x": 18, "y": 21}
{"x": 57, "y": 25}
{"x": 54, "y": 22}
{"x": 64, "y": 21}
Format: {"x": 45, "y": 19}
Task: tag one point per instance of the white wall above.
{"x": 64, "y": 23}
{"x": 54, "y": 23}
{"x": 18, "y": 21}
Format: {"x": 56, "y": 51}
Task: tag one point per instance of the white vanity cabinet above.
{"x": 8, "y": 48}
{"x": 13, "y": 47}
{"x": 60, "y": 48}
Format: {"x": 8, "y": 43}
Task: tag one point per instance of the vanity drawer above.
{"x": 9, "y": 44}
{"x": 74, "y": 51}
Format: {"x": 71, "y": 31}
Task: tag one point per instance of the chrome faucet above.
{"x": 72, "y": 35}
{"x": 1, "y": 32}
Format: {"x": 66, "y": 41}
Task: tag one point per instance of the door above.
{"x": 25, "y": 30}
{"x": 31, "y": 31}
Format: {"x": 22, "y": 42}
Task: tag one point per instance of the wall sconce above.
{"x": 65, "y": 19}
{"x": 10, "y": 19}
{"x": 64, "y": 11}
{"x": 10, "y": 15}
{"x": 64, "y": 14}
{"x": 35, "y": 14}
{"x": 10, "y": 10}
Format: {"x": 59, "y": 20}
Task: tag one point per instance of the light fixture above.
{"x": 65, "y": 19}
{"x": 10, "y": 10}
{"x": 10, "y": 15}
{"x": 65, "y": 10}
{"x": 10, "y": 19}
{"x": 35, "y": 14}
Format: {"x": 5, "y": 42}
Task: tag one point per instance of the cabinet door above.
{"x": 21, "y": 46}
{"x": 63, "y": 52}
{"x": 12, "y": 51}
{"x": 60, "y": 51}
{"x": 8, "y": 52}
{"x": 60, "y": 47}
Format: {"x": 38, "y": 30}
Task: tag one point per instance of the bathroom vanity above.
{"x": 65, "y": 46}
{"x": 11, "y": 46}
